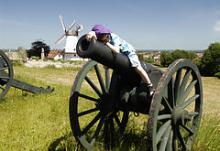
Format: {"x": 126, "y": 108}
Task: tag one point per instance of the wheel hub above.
{"x": 107, "y": 104}
{"x": 179, "y": 115}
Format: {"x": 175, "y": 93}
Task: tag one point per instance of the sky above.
{"x": 146, "y": 24}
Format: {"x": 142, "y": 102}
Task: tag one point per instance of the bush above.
{"x": 210, "y": 62}
{"x": 22, "y": 54}
{"x": 149, "y": 60}
{"x": 165, "y": 58}
{"x": 17, "y": 62}
{"x": 217, "y": 74}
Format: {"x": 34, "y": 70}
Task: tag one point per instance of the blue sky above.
{"x": 158, "y": 24}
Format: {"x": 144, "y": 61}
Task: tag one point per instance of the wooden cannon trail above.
{"x": 7, "y": 79}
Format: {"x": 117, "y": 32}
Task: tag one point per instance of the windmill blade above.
{"x": 72, "y": 25}
{"x": 80, "y": 27}
{"x": 62, "y": 23}
{"x": 60, "y": 39}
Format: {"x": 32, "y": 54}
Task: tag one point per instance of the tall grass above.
{"x": 208, "y": 138}
{"x": 34, "y": 122}
{"x": 41, "y": 122}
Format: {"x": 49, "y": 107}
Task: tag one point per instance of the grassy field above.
{"x": 41, "y": 122}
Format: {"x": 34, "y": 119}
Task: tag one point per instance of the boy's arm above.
{"x": 91, "y": 35}
{"x": 115, "y": 49}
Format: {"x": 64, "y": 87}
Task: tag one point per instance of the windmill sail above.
{"x": 71, "y": 36}
{"x": 60, "y": 39}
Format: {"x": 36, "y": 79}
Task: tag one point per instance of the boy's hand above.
{"x": 115, "y": 49}
{"x": 91, "y": 35}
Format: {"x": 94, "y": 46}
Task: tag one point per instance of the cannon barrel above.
{"x": 99, "y": 52}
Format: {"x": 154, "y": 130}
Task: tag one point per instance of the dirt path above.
{"x": 42, "y": 64}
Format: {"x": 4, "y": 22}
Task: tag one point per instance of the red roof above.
{"x": 53, "y": 54}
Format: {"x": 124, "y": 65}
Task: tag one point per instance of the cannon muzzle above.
{"x": 99, "y": 52}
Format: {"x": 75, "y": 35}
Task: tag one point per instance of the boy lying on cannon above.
{"x": 118, "y": 45}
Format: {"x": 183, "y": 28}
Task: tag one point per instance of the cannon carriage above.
{"x": 7, "y": 79}
{"x": 106, "y": 90}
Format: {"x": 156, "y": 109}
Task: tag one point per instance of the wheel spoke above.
{"x": 188, "y": 90}
{"x": 100, "y": 79}
{"x": 93, "y": 86}
{"x": 164, "y": 116}
{"x": 106, "y": 134}
{"x": 174, "y": 144}
{"x": 192, "y": 115}
{"x": 183, "y": 86}
{"x": 87, "y": 112}
{"x": 171, "y": 92}
{"x": 164, "y": 140}
{"x": 3, "y": 68}
{"x": 2, "y": 77}
{"x": 107, "y": 78}
{"x": 112, "y": 132}
{"x": 118, "y": 121}
{"x": 86, "y": 129}
{"x": 99, "y": 127}
{"x": 167, "y": 104}
{"x": 179, "y": 136}
{"x": 170, "y": 141}
{"x": 189, "y": 101}
{"x": 177, "y": 83}
{"x": 188, "y": 129}
{"x": 162, "y": 130}
{"x": 87, "y": 97}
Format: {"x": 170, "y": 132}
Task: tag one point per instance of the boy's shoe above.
{"x": 151, "y": 90}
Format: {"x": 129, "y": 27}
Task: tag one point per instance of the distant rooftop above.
{"x": 156, "y": 50}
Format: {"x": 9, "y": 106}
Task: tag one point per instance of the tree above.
{"x": 36, "y": 49}
{"x": 178, "y": 54}
{"x": 167, "y": 58}
{"x": 210, "y": 61}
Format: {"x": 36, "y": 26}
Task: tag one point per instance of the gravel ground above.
{"x": 42, "y": 64}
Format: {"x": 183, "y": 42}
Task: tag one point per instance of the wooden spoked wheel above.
{"x": 6, "y": 74}
{"x": 176, "y": 108}
{"x": 93, "y": 121}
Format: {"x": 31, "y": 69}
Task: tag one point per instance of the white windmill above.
{"x": 71, "y": 35}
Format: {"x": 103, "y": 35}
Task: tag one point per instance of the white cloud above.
{"x": 217, "y": 26}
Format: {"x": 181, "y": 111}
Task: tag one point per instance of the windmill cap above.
{"x": 100, "y": 29}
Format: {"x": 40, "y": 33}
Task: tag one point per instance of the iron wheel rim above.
{"x": 107, "y": 126}
{"x": 170, "y": 128}
{"x": 6, "y": 74}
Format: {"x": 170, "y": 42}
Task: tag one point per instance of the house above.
{"x": 55, "y": 55}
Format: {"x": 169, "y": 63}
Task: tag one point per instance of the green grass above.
{"x": 208, "y": 138}
{"x": 34, "y": 122}
{"x": 41, "y": 122}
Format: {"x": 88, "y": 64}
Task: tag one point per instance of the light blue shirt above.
{"x": 124, "y": 46}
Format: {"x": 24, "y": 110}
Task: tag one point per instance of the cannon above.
{"x": 7, "y": 80}
{"x": 107, "y": 90}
